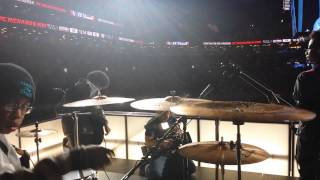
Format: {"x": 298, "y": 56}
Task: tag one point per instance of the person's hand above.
{"x": 86, "y": 157}
{"x": 19, "y": 151}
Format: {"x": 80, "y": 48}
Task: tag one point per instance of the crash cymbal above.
{"x": 32, "y": 133}
{"x": 98, "y": 101}
{"x": 244, "y": 111}
{"x": 224, "y": 153}
{"x": 162, "y": 104}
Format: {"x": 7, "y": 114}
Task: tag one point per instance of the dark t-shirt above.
{"x": 307, "y": 95}
{"x": 166, "y": 164}
{"x": 307, "y": 90}
{"x": 90, "y": 125}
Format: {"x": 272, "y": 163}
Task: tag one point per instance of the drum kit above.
{"x": 95, "y": 101}
{"x": 220, "y": 152}
{"x": 36, "y": 134}
{"x": 216, "y": 152}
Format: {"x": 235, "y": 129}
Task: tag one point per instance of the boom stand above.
{"x": 185, "y": 162}
{"x": 238, "y": 145}
{"x": 37, "y": 139}
{"x": 76, "y": 129}
{"x": 221, "y": 143}
{"x": 76, "y": 136}
{"x": 145, "y": 157}
{"x": 217, "y": 124}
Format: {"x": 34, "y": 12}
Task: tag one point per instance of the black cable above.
{"x": 105, "y": 172}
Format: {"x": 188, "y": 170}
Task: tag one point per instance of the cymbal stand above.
{"x": 37, "y": 139}
{"x": 275, "y": 95}
{"x": 238, "y": 146}
{"x": 76, "y": 129}
{"x": 222, "y": 171}
{"x": 76, "y": 135}
{"x": 278, "y": 99}
{"x": 149, "y": 153}
{"x": 234, "y": 69}
{"x": 217, "y": 124}
{"x": 185, "y": 164}
{"x": 207, "y": 90}
{"x": 222, "y": 144}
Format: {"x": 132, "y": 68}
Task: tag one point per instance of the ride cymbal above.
{"x": 162, "y": 104}
{"x": 242, "y": 111}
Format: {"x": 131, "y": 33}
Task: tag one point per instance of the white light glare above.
{"x": 164, "y": 125}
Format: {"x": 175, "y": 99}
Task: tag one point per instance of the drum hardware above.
{"x": 206, "y": 91}
{"x": 223, "y": 153}
{"x": 217, "y": 131}
{"x": 185, "y": 163}
{"x": 144, "y": 159}
{"x": 238, "y": 145}
{"x": 37, "y": 134}
{"x": 239, "y": 112}
{"x": 76, "y": 129}
{"x": 262, "y": 89}
{"x": 97, "y": 101}
{"x": 162, "y": 104}
{"x": 121, "y": 113}
{"x": 75, "y": 118}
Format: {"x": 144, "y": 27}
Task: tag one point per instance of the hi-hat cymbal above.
{"x": 224, "y": 153}
{"x": 98, "y": 101}
{"x": 32, "y": 133}
{"x": 162, "y": 104}
{"x": 243, "y": 111}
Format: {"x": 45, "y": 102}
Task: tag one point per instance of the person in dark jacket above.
{"x": 165, "y": 162}
{"x": 306, "y": 95}
{"x": 93, "y": 126}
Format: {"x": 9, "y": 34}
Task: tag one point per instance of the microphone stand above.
{"x": 37, "y": 139}
{"x": 145, "y": 157}
{"x": 278, "y": 99}
{"x": 185, "y": 163}
{"x": 258, "y": 86}
{"x": 207, "y": 90}
{"x": 276, "y": 96}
